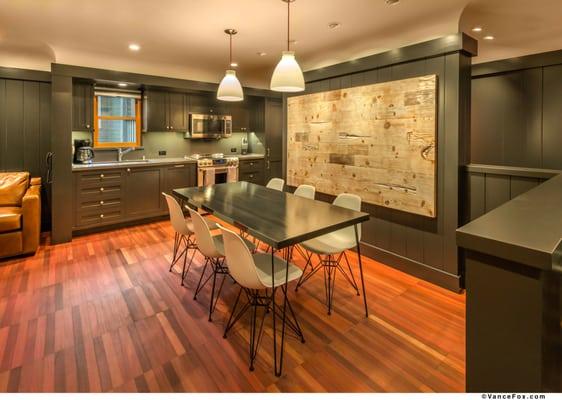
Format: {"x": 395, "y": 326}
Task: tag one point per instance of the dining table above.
{"x": 278, "y": 219}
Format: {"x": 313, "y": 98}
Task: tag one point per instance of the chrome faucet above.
{"x": 121, "y": 152}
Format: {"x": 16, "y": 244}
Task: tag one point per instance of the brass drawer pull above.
{"x": 101, "y": 189}
{"x": 179, "y": 166}
{"x": 251, "y": 175}
{"x": 101, "y": 215}
{"x": 101, "y": 176}
{"x": 101, "y": 202}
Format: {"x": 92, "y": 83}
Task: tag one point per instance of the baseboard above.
{"x": 412, "y": 267}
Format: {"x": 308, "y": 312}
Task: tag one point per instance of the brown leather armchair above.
{"x": 20, "y": 213}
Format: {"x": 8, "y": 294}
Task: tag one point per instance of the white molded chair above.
{"x": 306, "y": 191}
{"x": 212, "y": 248}
{"x": 276, "y": 184}
{"x": 253, "y": 272}
{"x": 183, "y": 232}
{"x": 330, "y": 249}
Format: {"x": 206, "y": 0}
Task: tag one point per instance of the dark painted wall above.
{"x": 25, "y": 131}
{"x": 422, "y": 246}
{"x": 516, "y": 123}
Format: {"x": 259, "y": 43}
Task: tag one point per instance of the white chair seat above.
{"x": 331, "y": 243}
{"x": 263, "y": 268}
{"x": 219, "y": 245}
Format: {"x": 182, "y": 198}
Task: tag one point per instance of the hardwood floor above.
{"x": 104, "y": 314}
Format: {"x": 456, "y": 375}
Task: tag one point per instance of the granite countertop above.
{"x": 151, "y": 161}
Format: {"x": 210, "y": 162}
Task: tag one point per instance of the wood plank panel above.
{"x": 71, "y": 322}
{"x": 377, "y": 141}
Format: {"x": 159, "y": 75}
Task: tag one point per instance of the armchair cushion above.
{"x": 13, "y": 186}
{"x": 10, "y": 219}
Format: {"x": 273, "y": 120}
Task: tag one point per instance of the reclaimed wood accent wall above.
{"x": 377, "y": 141}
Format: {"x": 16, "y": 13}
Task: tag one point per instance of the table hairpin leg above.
{"x": 361, "y": 270}
{"x": 278, "y": 364}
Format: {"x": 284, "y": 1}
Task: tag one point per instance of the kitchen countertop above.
{"x": 150, "y": 161}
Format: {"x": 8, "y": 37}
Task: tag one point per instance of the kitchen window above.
{"x": 117, "y": 120}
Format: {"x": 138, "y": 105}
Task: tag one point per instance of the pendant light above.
{"x": 287, "y": 76}
{"x": 230, "y": 88}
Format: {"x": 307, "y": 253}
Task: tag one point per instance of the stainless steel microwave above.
{"x": 209, "y": 126}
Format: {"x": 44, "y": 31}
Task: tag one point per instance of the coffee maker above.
{"x": 83, "y": 151}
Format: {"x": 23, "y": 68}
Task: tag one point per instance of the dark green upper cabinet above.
{"x": 273, "y": 138}
{"x": 82, "y": 107}
{"x": 240, "y": 117}
{"x": 166, "y": 111}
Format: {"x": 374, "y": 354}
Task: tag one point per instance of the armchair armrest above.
{"x": 31, "y": 216}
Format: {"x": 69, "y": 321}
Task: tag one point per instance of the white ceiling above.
{"x": 520, "y": 27}
{"x": 185, "y": 39}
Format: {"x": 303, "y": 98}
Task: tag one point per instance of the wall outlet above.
{"x": 161, "y": 152}
{"x": 233, "y": 149}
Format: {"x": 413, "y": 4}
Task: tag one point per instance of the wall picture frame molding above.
{"x": 378, "y": 141}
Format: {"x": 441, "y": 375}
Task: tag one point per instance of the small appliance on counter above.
{"x": 83, "y": 151}
{"x": 244, "y": 146}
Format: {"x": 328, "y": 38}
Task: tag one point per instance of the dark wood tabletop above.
{"x": 277, "y": 218}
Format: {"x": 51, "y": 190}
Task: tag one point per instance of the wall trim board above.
{"x": 412, "y": 267}
{"x": 148, "y": 81}
{"x": 25, "y": 74}
{"x": 518, "y": 63}
{"x": 512, "y": 171}
{"x": 458, "y": 42}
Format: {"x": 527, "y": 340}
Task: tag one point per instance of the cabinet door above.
{"x": 200, "y": 104}
{"x": 274, "y": 139}
{"x": 177, "y": 113}
{"x": 240, "y": 117}
{"x": 274, "y": 169}
{"x": 143, "y": 196}
{"x": 157, "y": 111}
{"x": 82, "y": 103}
{"x": 257, "y": 116}
{"x": 179, "y": 176}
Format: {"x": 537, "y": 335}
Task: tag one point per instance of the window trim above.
{"x": 137, "y": 119}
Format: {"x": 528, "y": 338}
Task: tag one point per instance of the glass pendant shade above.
{"x": 287, "y": 76}
{"x": 230, "y": 88}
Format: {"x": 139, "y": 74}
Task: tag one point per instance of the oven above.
{"x": 209, "y": 126}
{"x": 214, "y": 171}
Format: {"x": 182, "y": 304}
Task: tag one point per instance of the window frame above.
{"x": 137, "y": 119}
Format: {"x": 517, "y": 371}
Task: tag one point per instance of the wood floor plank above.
{"x": 103, "y": 314}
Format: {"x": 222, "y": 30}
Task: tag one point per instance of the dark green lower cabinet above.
{"x": 123, "y": 195}
{"x": 142, "y": 194}
{"x": 252, "y": 171}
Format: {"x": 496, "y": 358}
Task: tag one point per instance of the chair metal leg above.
{"x": 199, "y": 287}
{"x": 214, "y": 272}
{"x": 230, "y": 322}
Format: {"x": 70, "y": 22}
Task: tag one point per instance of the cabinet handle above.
{"x": 171, "y": 127}
{"x": 167, "y": 127}
{"x": 101, "y": 176}
{"x": 88, "y": 126}
{"x": 268, "y": 151}
{"x": 101, "y": 202}
{"x": 251, "y": 175}
{"x": 267, "y": 164}
{"x": 101, "y": 189}
{"x": 251, "y": 163}
{"x": 101, "y": 215}
{"x": 179, "y": 166}
{"x": 128, "y": 169}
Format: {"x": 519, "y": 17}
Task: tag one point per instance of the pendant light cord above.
{"x": 288, "y": 24}
{"x": 230, "y": 61}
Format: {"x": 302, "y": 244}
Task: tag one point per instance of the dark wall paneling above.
{"x": 421, "y": 246}
{"x": 552, "y": 117}
{"x": 24, "y": 125}
{"x": 489, "y": 188}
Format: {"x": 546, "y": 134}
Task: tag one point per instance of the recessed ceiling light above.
{"x": 489, "y": 37}
{"x": 477, "y": 29}
{"x": 392, "y": 2}
{"x": 134, "y": 47}
{"x": 261, "y": 53}
{"x": 334, "y": 25}
{"x": 233, "y": 64}
{"x": 122, "y": 84}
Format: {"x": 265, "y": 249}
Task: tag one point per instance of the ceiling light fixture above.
{"x": 134, "y": 47}
{"x": 477, "y": 29}
{"x": 287, "y": 76}
{"x": 230, "y": 88}
{"x": 489, "y": 37}
{"x": 261, "y": 53}
{"x": 392, "y": 2}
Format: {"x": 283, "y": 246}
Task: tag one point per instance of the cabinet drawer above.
{"x": 93, "y": 206}
{"x": 101, "y": 217}
{"x": 100, "y": 178}
{"x": 99, "y": 193}
{"x": 251, "y": 165}
{"x": 253, "y": 177}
